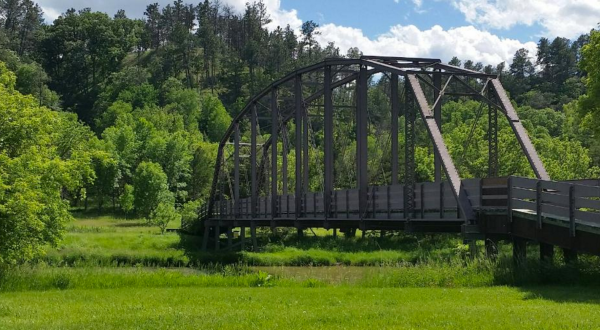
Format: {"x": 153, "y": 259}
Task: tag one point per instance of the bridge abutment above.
{"x": 519, "y": 250}
{"x": 570, "y": 256}
{"x": 546, "y": 253}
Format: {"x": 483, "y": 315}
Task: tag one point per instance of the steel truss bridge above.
{"x": 283, "y": 162}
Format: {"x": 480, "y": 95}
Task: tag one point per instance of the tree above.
{"x": 79, "y": 51}
{"x": 20, "y": 20}
{"x": 521, "y": 70}
{"x": 214, "y": 120}
{"x": 107, "y": 175}
{"x": 591, "y": 64}
{"x": 33, "y": 176}
{"x": 165, "y": 212}
{"x": 189, "y": 213}
{"x": 149, "y": 186}
{"x": 127, "y": 199}
{"x": 455, "y": 61}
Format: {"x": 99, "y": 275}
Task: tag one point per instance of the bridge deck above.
{"x": 561, "y": 213}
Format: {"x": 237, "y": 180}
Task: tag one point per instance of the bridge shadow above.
{"x": 558, "y": 282}
{"x": 563, "y": 294}
{"x": 191, "y": 245}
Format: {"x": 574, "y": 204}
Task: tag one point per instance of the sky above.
{"x": 488, "y": 31}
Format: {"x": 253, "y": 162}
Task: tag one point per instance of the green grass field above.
{"x": 120, "y": 274}
{"x": 302, "y": 308}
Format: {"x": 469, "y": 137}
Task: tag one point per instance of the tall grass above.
{"x": 456, "y": 273}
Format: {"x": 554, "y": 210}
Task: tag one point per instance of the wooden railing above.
{"x": 562, "y": 201}
{"x": 432, "y": 201}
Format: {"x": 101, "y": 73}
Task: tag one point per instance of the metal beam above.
{"x": 253, "y": 178}
{"x": 394, "y": 126}
{"x": 437, "y": 114}
{"x": 361, "y": 143}
{"x": 520, "y": 132}
{"x": 492, "y": 137}
{"x": 236, "y": 170}
{"x": 299, "y": 109}
{"x": 409, "y": 152}
{"x": 328, "y": 136}
{"x": 438, "y": 141}
{"x": 274, "y": 137}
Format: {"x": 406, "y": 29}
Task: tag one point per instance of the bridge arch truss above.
{"x": 266, "y": 160}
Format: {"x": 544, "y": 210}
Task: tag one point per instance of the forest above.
{"x": 124, "y": 115}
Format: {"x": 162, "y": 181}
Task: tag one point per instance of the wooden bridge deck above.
{"x": 566, "y": 214}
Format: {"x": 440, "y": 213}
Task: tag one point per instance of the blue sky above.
{"x": 490, "y": 31}
{"x": 377, "y": 16}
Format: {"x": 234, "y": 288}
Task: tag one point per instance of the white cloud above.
{"x": 566, "y": 18}
{"x": 135, "y": 8}
{"x": 467, "y": 43}
{"x": 50, "y": 14}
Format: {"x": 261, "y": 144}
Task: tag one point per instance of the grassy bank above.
{"x": 106, "y": 241}
{"x": 303, "y": 308}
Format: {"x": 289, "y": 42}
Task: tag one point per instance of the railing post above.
{"x": 422, "y": 197}
{"x": 572, "y": 227}
{"x": 441, "y": 200}
{"x": 538, "y": 202}
{"x": 389, "y": 203}
{"x": 509, "y": 199}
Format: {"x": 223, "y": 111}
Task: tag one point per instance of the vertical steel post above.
{"x": 394, "y": 134}
{"x": 361, "y": 136}
{"x": 305, "y": 146}
{"x": 253, "y": 178}
{"x": 437, "y": 115}
{"x": 298, "y": 114}
{"x": 409, "y": 152}
{"x": 274, "y": 140}
{"x": 328, "y": 136}
{"x": 492, "y": 136}
{"x": 284, "y": 160}
{"x": 236, "y": 171}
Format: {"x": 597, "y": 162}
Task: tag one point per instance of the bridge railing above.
{"x": 432, "y": 200}
{"x": 562, "y": 201}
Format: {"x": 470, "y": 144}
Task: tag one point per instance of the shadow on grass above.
{"x": 563, "y": 294}
{"x": 192, "y": 247}
{"x": 132, "y": 224}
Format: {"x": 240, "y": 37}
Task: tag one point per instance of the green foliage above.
{"x": 165, "y": 212}
{"x": 590, "y": 103}
{"x": 189, "y": 213}
{"x": 127, "y": 199}
{"x": 214, "y": 120}
{"x": 150, "y": 187}
{"x": 36, "y": 166}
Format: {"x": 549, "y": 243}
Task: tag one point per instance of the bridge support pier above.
{"x": 217, "y": 240}
{"x": 205, "y": 238}
{"x": 229, "y": 238}
{"x": 546, "y": 253}
{"x": 491, "y": 248}
{"x": 253, "y": 236}
{"x": 472, "y": 247}
{"x": 570, "y": 256}
{"x": 243, "y": 238}
{"x": 519, "y": 250}
{"x": 300, "y": 232}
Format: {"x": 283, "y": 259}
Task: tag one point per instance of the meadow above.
{"x": 121, "y": 274}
